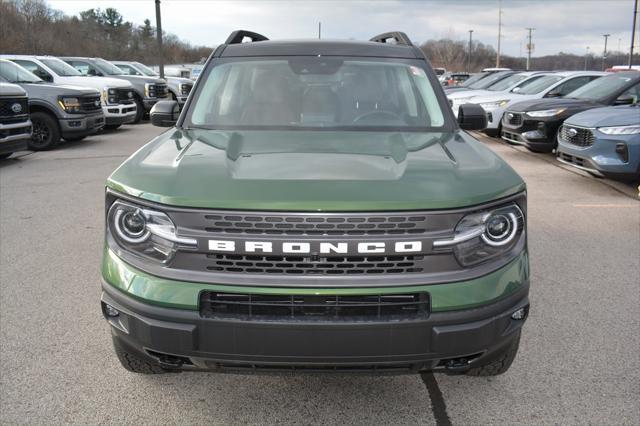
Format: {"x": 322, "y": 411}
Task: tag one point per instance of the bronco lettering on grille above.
{"x": 316, "y": 247}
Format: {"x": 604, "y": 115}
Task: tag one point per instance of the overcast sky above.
{"x": 561, "y": 25}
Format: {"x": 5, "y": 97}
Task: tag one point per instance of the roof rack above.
{"x": 237, "y": 36}
{"x": 400, "y": 38}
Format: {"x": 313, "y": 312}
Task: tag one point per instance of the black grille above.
{"x": 314, "y": 307}
{"x": 513, "y": 118}
{"x": 301, "y": 265}
{"x": 185, "y": 88}
{"x": 577, "y": 136}
{"x": 316, "y": 225}
{"x": 90, "y": 103}
{"x": 124, "y": 96}
{"x": 7, "y": 112}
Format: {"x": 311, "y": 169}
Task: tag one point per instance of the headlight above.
{"x": 485, "y": 235}
{"x": 494, "y": 105}
{"x": 546, "y": 112}
{"x": 621, "y": 130}
{"x": 112, "y": 91}
{"x": 109, "y": 96}
{"x": 185, "y": 88}
{"x": 144, "y": 232}
{"x": 150, "y": 90}
{"x": 70, "y": 105}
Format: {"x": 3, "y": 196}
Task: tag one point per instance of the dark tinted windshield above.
{"x": 14, "y": 73}
{"x": 539, "y": 85}
{"x": 507, "y": 82}
{"x": 490, "y": 80}
{"x": 317, "y": 93}
{"x": 601, "y": 87}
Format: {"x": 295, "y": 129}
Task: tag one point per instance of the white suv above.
{"x": 117, "y": 100}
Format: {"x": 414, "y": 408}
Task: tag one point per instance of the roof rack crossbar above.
{"x": 237, "y": 36}
{"x": 398, "y": 36}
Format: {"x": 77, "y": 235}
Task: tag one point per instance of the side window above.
{"x": 633, "y": 92}
{"x": 85, "y": 68}
{"x": 128, "y": 69}
{"x": 34, "y": 68}
{"x": 571, "y": 85}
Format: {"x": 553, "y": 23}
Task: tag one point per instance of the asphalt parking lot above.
{"x": 579, "y": 358}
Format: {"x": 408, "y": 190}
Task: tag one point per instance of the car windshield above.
{"x": 600, "y": 88}
{"x": 107, "y": 67}
{"x": 489, "y": 81}
{"x": 14, "y": 73}
{"x": 145, "y": 69}
{"x": 539, "y": 85}
{"x": 473, "y": 79}
{"x": 507, "y": 82}
{"x": 61, "y": 68}
{"x": 314, "y": 92}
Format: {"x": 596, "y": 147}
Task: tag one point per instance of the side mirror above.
{"x": 165, "y": 113}
{"x": 472, "y": 117}
{"x": 624, "y": 100}
{"x": 47, "y": 77}
{"x": 553, "y": 94}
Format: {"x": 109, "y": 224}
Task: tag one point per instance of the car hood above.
{"x": 142, "y": 79}
{"x": 97, "y": 82}
{"x": 495, "y": 97}
{"x": 178, "y": 80}
{"x": 315, "y": 170}
{"x": 541, "y": 104}
{"x": 623, "y": 115}
{"x": 57, "y": 89}
{"x": 467, "y": 94}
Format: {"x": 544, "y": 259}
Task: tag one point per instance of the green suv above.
{"x": 315, "y": 206}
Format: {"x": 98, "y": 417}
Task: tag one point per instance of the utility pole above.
{"x": 470, "y": 47}
{"x": 529, "y": 48}
{"x": 604, "y": 53}
{"x": 633, "y": 33}
{"x": 159, "y": 38}
{"x": 586, "y": 58}
{"x": 499, "y": 32}
{"x": 319, "y": 30}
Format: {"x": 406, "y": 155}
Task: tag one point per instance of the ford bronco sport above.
{"x": 316, "y": 207}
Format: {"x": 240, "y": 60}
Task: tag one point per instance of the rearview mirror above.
{"x": 472, "y": 117}
{"x": 624, "y": 100}
{"x": 165, "y": 113}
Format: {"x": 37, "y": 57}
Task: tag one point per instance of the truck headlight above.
{"x": 150, "y": 90}
{"x": 621, "y": 130}
{"x": 485, "y": 235}
{"x": 144, "y": 232}
{"x": 109, "y": 96}
{"x": 546, "y": 112}
{"x": 495, "y": 104}
{"x": 185, "y": 88}
{"x": 70, "y": 105}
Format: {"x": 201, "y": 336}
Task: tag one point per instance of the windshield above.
{"x": 313, "y": 92}
{"x": 539, "y": 85}
{"x": 14, "y": 73}
{"x": 600, "y": 88}
{"x": 473, "y": 79}
{"x": 489, "y": 81}
{"x": 145, "y": 69}
{"x": 507, "y": 82}
{"x": 61, "y": 68}
{"x": 107, "y": 67}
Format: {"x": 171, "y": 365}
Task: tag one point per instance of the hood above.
{"x": 458, "y": 95}
{"x": 541, "y": 104}
{"x": 141, "y": 79}
{"x": 58, "y": 89}
{"x": 499, "y": 96}
{"x": 178, "y": 80}
{"x": 623, "y": 115}
{"x": 315, "y": 171}
{"x": 98, "y": 82}
{"x": 9, "y": 89}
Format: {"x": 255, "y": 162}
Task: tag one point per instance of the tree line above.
{"x": 32, "y": 27}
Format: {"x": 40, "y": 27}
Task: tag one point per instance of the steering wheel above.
{"x": 379, "y": 114}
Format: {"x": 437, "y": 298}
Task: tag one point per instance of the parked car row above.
{"x": 591, "y": 120}
{"x": 72, "y": 97}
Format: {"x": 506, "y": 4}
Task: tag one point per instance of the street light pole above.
{"x": 469, "y": 57}
{"x": 633, "y": 32}
{"x": 604, "y": 53}
{"x": 586, "y": 58}
{"x": 499, "y": 33}
{"x": 159, "y": 38}
{"x": 529, "y": 48}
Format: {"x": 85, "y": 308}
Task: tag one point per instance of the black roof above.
{"x": 319, "y": 47}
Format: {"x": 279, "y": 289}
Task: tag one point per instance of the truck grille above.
{"x": 161, "y": 90}
{"x": 314, "y": 307}
{"x": 307, "y": 265}
{"x": 577, "y": 136}
{"x": 124, "y": 96}
{"x": 513, "y": 118}
{"x": 9, "y": 115}
{"x": 275, "y": 224}
{"x": 90, "y": 103}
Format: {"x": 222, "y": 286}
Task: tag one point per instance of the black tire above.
{"x": 135, "y": 364}
{"x": 45, "y": 134}
{"x": 112, "y": 126}
{"x": 500, "y": 362}
{"x": 139, "y": 110}
{"x": 74, "y": 138}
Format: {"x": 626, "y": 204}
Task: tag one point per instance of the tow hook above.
{"x": 168, "y": 361}
{"x": 457, "y": 364}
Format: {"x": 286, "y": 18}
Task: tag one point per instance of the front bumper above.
{"x": 538, "y": 134}
{"x": 14, "y": 137}
{"x": 82, "y": 125}
{"x": 119, "y": 114}
{"x": 465, "y": 321}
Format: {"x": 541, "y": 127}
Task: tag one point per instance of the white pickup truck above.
{"x": 116, "y": 95}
